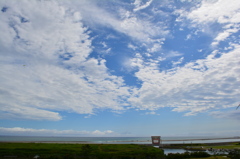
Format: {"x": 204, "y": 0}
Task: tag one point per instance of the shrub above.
{"x": 234, "y": 154}
{"x": 187, "y": 155}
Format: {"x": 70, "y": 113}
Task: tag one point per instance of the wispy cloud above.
{"x": 234, "y": 115}
{"x": 171, "y": 54}
{"x": 139, "y": 6}
{"x": 138, "y": 26}
{"x": 175, "y": 63}
{"x": 53, "y": 132}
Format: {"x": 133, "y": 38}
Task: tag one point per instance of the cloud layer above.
{"x": 46, "y": 66}
{"x": 49, "y": 63}
{"x": 198, "y": 86}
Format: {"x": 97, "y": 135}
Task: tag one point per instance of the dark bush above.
{"x": 187, "y": 155}
{"x": 199, "y": 154}
{"x": 234, "y": 154}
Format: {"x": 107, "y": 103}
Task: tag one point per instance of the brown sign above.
{"x": 156, "y": 140}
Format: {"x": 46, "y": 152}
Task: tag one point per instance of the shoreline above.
{"x": 132, "y": 141}
{"x": 225, "y": 138}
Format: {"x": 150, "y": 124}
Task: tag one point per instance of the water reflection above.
{"x": 167, "y": 151}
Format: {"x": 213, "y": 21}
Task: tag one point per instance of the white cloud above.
{"x": 11, "y": 111}
{"x": 223, "y": 35}
{"x": 140, "y": 28}
{"x": 221, "y": 12}
{"x": 53, "y": 132}
{"x": 155, "y": 48}
{"x": 139, "y": 6}
{"x": 198, "y": 86}
{"x": 189, "y": 36}
{"x": 97, "y": 132}
{"x": 132, "y": 46}
{"x": 151, "y": 113}
{"x": 234, "y": 114}
{"x": 175, "y": 63}
{"x": 104, "y": 45}
{"x": 171, "y": 54}
{"x": 186, "y": 0}
{"x": 139, "y": 62}
{"x": 45, "y": 66}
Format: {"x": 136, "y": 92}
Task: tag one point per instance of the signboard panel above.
{"x": 156, "y": 140}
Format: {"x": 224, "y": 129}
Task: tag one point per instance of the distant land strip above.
{"x": 123, "y": 141}
{"x": 238, "y": 137}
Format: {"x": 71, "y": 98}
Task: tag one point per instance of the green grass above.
{"x": 28, "y": 150}
{"x": 206, "y": 146}
{"x": 229, "y": 146}
{"x": 104, "y": 151}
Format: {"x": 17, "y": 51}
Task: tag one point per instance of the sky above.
{"x": 116, "y": 68}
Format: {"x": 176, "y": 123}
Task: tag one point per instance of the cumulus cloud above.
{"x": 194, "y": 88}
{"x": 52, "y": 132}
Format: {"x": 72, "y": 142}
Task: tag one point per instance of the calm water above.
{"x": 167, "y": 151}
{"x": 118, "y": 140}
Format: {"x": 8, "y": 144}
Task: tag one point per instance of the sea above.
{"x": 118, "y": 140}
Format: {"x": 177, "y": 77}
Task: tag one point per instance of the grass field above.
{"x": 29, "y": 150}
{"x": 228, "y": 146}
{"x": 104, "y": 151}
{"x": 207, "y": 146}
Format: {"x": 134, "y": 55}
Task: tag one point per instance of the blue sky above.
{"x": 120, "y": 68}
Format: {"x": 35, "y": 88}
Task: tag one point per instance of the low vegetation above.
{"x": 109, "y": 151}
{"x": 226, "y": 146}
{"x": 187, "y": 155}
{"x": 68, "y": 151}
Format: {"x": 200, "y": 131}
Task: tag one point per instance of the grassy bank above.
{"x": 29, "y": 150}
